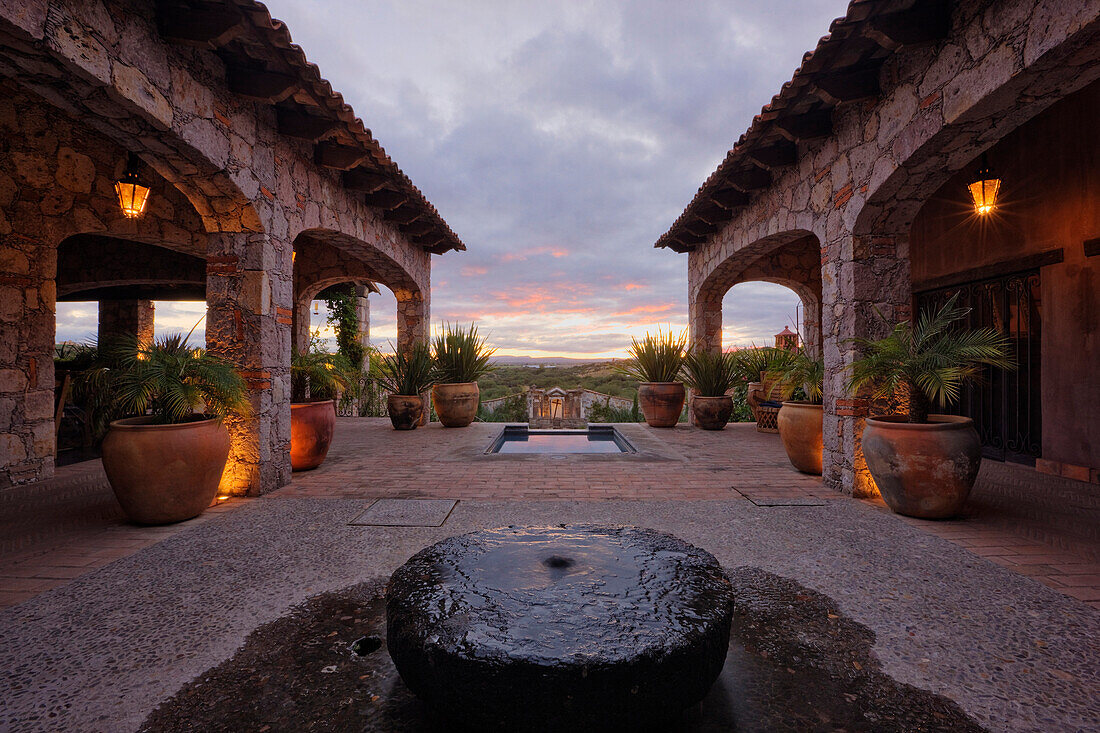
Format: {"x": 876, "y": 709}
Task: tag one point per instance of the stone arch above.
{"x": 325, "y": 257}
{"x": 98, "y": 264}
{"x": 790, "y": 258}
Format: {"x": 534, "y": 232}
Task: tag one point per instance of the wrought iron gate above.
{"x": 1005, "y": 406}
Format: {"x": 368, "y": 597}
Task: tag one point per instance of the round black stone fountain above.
{"x": 560, "y": 628}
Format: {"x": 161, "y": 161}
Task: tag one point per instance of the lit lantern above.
{"x": 315, "y": 310}
{"x": 132, "y": 194}
{"x": 984, "y": 188}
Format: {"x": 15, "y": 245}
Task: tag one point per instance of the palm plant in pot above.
{"x": 800, "y": 421}
{"x": 316, "y": 379}
{"x": 406, "y": 376}
{"x": 165, "y": 464}
{"x": 710, "y": 376}
{"x": 655, "y": 362}
{"x": 925, "y": 464}
{"x": 757, "y": 366}
{"x": 461, "y": 357}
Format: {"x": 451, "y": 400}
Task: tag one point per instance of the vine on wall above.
{"x": 343, "y": 316}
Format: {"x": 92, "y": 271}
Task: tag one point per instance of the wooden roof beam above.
{"x": 403, "y": 214}
{"x": 203, "y": 26}
{"x": 431, "y": 239}
{"x": 302, "y": 125}
{"x": 260, "y": 86}
{"x": 926, "y": 22}
{"x": 749, "y": 179}
{"x": 850, "y": 85}
{"x": 806, "y": 126}
{"x": 730, "y": 198}
{"x": 339, "y": 157}
{"x": 417, "y": 228}
{"x": 712, "y": 213}
{"x": 364, "y": 180}
{"x": 385, "y": 199}
{"x": 777, "y": 155}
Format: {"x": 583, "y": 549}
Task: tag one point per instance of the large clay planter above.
{"x": 800, "y": 430}
{"x": 711, "y": 413}
{"x": 923, "y": 470}
{"x": 165, "y": 473}
{"x": 312, "y": 425}
{"x": 405, "y": 411}
{"x": 661, "y": 403}
{"x": 456, "y": 404}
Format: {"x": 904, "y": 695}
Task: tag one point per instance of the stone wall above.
{"x": 858, "y": 189}
{"x": 112, "y": 85}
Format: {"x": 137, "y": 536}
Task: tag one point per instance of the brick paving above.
{"x": 1036, "y": 525}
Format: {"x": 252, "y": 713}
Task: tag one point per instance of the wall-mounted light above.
{"x": 984, "y": 188}
{"x": 132, "y": 193}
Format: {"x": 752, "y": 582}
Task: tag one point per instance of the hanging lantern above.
{"x": 315, "y": 304}
{"x": 132, "y": 194}
{"x": 984, "y": 188}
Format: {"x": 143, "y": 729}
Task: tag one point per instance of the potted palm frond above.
{"x": 754, "y": 366}
{"x": 800, "y": 421}
{"x": 406, "y": 377}
{"x": 316, "y": 379}
{"x": 925, "y": 464}
{"x": 710, "y": 376}
{"x": 461, "y": 358}
{"x": 165, "y": 464}
{"x": 655, "y": 362}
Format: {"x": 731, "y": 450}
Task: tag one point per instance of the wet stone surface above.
{"x": 794, "y": 664}
{"x": 560, "y": 628}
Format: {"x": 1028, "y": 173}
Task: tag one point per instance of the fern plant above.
{"x": 460, "y": 355}
{"x": 318, "y": 375}
{"x": 656, "y": 358}
{"x": 407, "y": 374}
{"x": 928, "y": 362}
{"x": 802, "y": 370}
{"x": 709, "y": 374}
{"x": 168, "y": 380}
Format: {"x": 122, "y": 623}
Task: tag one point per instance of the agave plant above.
{"x": 656, "y": 358}
{"x": 802, "y": 370}
{"x": 168, "y": 380}
{"x": 710, "y": 374}
{"x": 928, "y": 362}
{"x": 407, "y": 374}
{"x": 460, "y": 355}
{"x": 318, "y": 374}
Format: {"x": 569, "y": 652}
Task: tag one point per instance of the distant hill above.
{"x": 600, "y": 376}
{"x": 542, "y": 361}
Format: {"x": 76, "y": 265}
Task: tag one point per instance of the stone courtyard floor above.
{"x": 105, "y": 620}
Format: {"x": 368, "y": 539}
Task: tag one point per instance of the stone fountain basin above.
{"x": 560, "y": 628}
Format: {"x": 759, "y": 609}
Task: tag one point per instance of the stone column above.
{"x": 363, "y": 312}
{"x": 705, "y": 319}
{"x": 860, "y": 274}
{"x": 301, "y": 326}
{"x": 811, "y": 326}
{"x": 126, "y": 318}
{"x": 27, "y": 301}
{"x": 413, "y": 325}
{"x": 249, "y": 314}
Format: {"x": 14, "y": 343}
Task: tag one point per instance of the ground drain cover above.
{"x": 406, "y": 513}
{"x": 787, "y": 502}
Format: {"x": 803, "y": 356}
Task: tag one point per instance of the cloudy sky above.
{"x": 559, "y": 140}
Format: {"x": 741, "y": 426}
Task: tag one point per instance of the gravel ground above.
{"x": 100, "y": 653}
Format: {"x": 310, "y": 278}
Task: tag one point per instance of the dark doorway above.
{"x": 1005, "y": 405}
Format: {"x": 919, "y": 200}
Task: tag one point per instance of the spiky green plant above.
{"x": 168, "y": 380}
{"x": 803, "y": 371}
{"x": 656, "y": 358}
{"x": 753, "y": 361}
{"x": 928, "y": 362}
{"x": 319, "y": 375}
{"x": 460, "y": 354}
{"x": 709, "y": 374}
{"x": 407, "y": 374}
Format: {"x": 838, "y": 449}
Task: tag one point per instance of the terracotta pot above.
{"x": 923, "y": 470}
{"x": 456, "y": 404}
{"x": 405, "y": 411}
{"x": 711, "y": 413}
{"x": 165, "y": 473}
{"x": 661, "y": 403}
{"x": 312, "y": 425}
{"x": 800, "y": 430}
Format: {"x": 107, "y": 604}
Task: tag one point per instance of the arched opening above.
{"x": 754, "y": 312}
